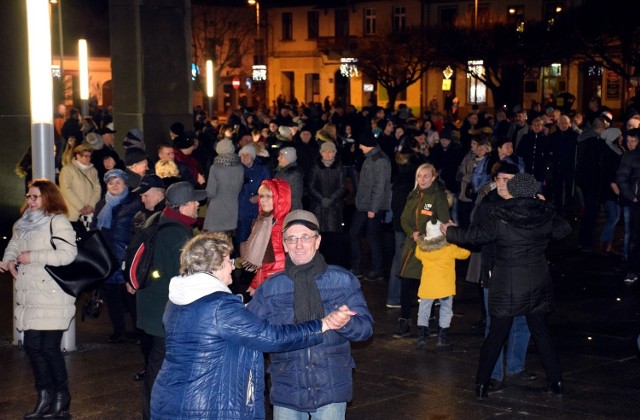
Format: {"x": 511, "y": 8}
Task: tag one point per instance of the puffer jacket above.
{"x": 40, "y": 303}
{"x": 520, "y": 228}
{"x": 327, "y": 191}
{"x": 422, "y": 205}
{"x": 439, "y": 270}
{"x": 281, "y": 206}
{"x": 628, "y": 175}
{"x": 214, "y": 367}
{"x": 306, "y": 379}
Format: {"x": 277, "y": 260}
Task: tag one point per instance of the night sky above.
{"x": 82, "y": 19}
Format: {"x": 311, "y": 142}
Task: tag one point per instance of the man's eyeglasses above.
{"x": 30, "y": 197}
{"x": 292, "y": 240}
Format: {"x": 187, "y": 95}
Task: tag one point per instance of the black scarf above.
{"x": 307, "y": 304}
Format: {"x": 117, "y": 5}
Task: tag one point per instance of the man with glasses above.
{"x": 309, "y": 289}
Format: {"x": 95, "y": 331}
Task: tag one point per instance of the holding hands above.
{"x": 444, "y": 226}
{"x": 337, "y": 319}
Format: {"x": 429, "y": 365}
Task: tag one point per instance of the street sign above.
{"x": 235, "y": 83}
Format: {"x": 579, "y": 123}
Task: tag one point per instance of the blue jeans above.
{"x": 612, "y": 212}
{"x": 361, "y": 222}
{"x": 454, "y": 209}
{"x": 334, "y": 411}
{"x": 446, "y": 312}
{"x": 517, "y": 344}
{"x": 393, "y": 295}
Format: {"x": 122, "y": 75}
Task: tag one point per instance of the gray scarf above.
{"x": 307, "y": 304}
{"x": 31, "y": 221}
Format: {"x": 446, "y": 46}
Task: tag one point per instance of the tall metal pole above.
{"x": 60, "y": 39}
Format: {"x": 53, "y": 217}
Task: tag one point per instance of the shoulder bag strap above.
{"x": 56, "y": 237}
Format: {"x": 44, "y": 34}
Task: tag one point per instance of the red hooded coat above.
{"x": 281, "y": 206}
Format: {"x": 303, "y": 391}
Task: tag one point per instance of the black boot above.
{"x": 423, "y": 333}
{"x": 45, "y": 397}
{"x": 442, "y": 337}
{"x": 59, "y": 408}
{"x": 403, "y": 328}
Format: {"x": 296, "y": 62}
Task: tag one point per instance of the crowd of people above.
{"x": 282, "y": 190}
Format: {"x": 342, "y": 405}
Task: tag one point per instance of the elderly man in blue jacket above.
{"x": 314, "y": 381}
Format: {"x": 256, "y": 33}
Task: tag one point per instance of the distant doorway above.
{"x": 591, "y": 82}
{"x": 287, "y": 79}
{"x": 342, "y": 93}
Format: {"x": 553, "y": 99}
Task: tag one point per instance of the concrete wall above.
{"x": 150, "y": 63}
{"x": 15, "y": 116}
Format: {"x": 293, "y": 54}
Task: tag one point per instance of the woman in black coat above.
{"x": 520, "y": 229}
{"x": 326, "y": 190}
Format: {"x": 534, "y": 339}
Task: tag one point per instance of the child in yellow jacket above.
{"x": 438, "y": 281}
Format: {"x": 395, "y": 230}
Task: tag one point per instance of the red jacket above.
{"x": 281, "y": 206}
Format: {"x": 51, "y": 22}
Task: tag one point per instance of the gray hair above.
{"x": 204, "y": 253}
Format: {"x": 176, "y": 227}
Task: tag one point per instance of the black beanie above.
{"x": 522, "y": 185}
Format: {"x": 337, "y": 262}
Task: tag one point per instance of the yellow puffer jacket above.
{"x": 438, "y": 278}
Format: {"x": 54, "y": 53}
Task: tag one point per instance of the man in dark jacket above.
{"x": 588, "y": 179}
{"x": 628, "y": 180}
{"x": 181, "y": 213}
{"x": 372, "y": 200}
{"x": 316, "y": 380}
{"x": 520, "y": 228}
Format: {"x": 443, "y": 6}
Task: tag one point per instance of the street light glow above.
{"x": 40, "y": 81}
{"x": 83, "y": 60}
{"x": 210, "y": 78}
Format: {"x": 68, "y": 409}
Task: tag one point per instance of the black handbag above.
{"x": 94, "y": 263}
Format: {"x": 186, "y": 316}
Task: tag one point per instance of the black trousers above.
{"x": 47, "y": 362}
{"x": 154, "y": 363}
{"x": 408, "y": 295}
{"x": 498, "y": 333}
{"x": 119, "y": 301}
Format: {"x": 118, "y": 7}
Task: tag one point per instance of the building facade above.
{"x": 309, "y": 50}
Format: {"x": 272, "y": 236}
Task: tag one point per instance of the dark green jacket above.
{"x": 421, "y": 206}
{"x": 152, "y": 300}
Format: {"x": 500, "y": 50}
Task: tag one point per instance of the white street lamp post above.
{"x": 83, "y": 64}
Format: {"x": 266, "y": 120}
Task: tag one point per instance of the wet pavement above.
{"x": 594, "y": 326}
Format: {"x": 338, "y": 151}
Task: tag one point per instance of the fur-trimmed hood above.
{"x": 524, "y": 213}
{"x": 432, "y": 244}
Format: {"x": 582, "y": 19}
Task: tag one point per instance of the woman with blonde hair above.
{"x": 80, "y": 187}
{"x": 427, "y": 201}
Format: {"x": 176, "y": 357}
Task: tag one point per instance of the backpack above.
{"x": 138, "y": 256}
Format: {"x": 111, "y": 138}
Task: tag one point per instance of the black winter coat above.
{"x": 520, "y": 228}
{"x": 326, "y": 190}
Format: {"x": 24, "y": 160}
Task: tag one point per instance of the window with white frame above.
{"x": 477, "y": 91}
{"x": 399, "y": 18}
{"x": 369, "y": 21}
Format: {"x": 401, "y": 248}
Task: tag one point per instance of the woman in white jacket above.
{"x": 43, "y": 311}
{"x": 80, "y": 187}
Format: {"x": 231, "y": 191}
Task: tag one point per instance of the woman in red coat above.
{"x": 274, "y": 204}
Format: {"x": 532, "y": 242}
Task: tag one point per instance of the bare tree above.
{"x": 225, "y": 35}
{"x": 608, "y": 34}
{"x": 395, "y": 59}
